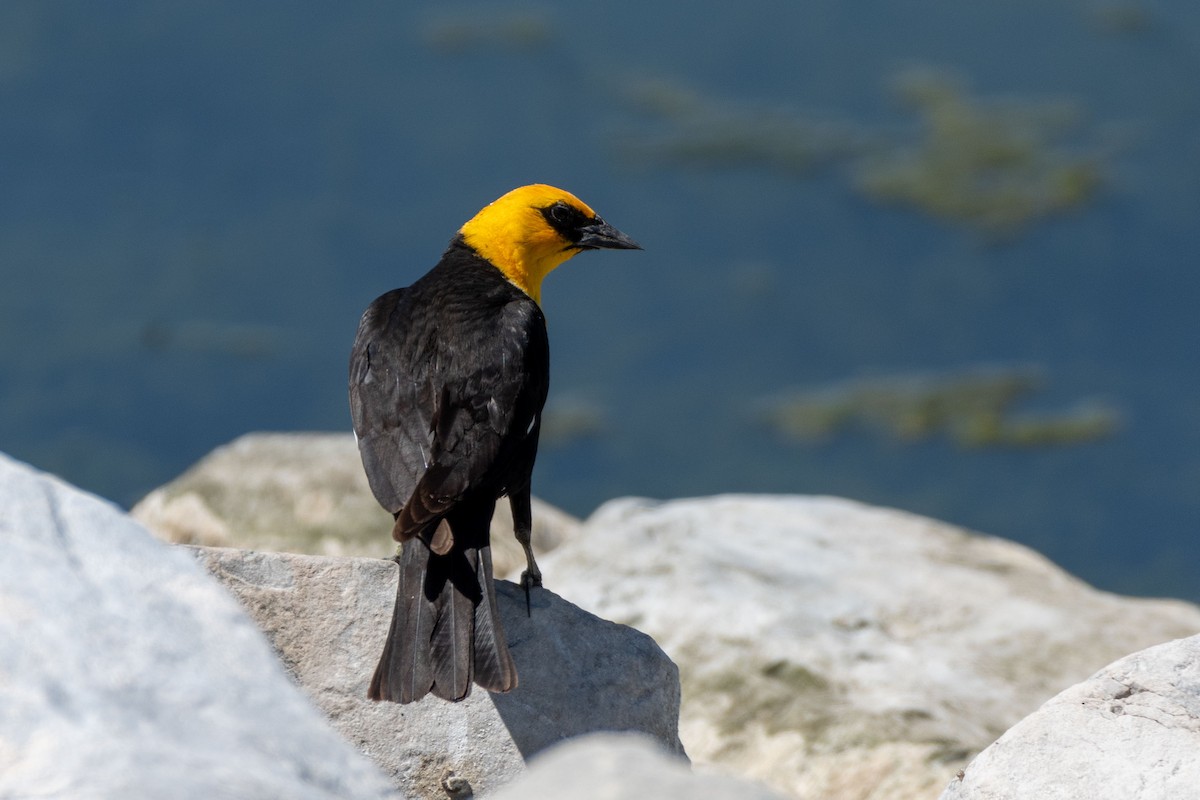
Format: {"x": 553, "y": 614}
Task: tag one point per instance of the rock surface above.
{"x": 830, "y": 649}
{"x": 835, "y": 650}
{"x": 305, "y": 493}
{"x": 126, "y": 672}
{"x": 1130, "y": 732}
{"x": 610, "y": 766}
{"x": 327, "y": 618}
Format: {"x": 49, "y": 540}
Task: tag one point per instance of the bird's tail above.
{"x": 446, "y": 631}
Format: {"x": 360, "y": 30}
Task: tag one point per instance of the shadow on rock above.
{"x": 582, "y": 674}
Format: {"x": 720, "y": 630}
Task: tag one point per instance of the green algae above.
{"x": 521, "y": 29}
{"x": 691, "y": 129}
{"x": 997, "y": 165}
{"x": 568, "y": 420}
{"x": 781, "y": 696}
{"x": 994, "y": 164}
{"x": 973, "y": 409}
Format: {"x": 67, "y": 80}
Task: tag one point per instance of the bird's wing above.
{"x": 391, "y": 402}
{"x": 484, "y": 415}
{"x": 439, "y": 416}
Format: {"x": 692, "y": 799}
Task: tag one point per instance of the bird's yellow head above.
{"x": 531, "y": 230}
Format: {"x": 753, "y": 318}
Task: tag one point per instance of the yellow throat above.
{"x": 515, "y": 237}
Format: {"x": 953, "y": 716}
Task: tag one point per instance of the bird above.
{"x": 447, "y": 382}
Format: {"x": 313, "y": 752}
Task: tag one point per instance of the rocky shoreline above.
{"x": 805, "y": 647}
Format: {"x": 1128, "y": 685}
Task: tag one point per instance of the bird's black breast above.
{"x": 452, "y": 371}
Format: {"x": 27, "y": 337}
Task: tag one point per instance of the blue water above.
{"x": 197, "y": 203}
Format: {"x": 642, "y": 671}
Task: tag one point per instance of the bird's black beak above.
{"x": 599, "y": 235}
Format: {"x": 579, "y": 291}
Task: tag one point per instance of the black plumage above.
{"x": 447, "y": 382}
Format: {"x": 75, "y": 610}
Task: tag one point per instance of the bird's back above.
{"x": 462, "y": 351}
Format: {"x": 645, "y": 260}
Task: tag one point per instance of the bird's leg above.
{"x": 523, "y": 529}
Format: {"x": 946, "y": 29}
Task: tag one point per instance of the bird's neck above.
{"x": 526, "y": 254}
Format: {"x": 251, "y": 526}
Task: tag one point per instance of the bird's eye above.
{"x": 560, "y": 213}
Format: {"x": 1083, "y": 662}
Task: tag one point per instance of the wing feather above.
{"x": 438, "y": 416}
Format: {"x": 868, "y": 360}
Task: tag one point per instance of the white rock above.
{"x": 127, "y": 672}
{"x": 611, "y": 766}
{"x": 327, "y": 617}
{"x": 1130, "y": 732}
{"x": 835, "y": 650}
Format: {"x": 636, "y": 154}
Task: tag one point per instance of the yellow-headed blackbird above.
{"x": 447, "y": 382}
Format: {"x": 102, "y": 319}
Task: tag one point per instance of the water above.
{"x": 198, "y": 204}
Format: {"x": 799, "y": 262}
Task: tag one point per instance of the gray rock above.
{"x": 835, "y": 650}
{"x": 619, "y": 767}
{"x": 1130, "y": 732}
{"x": 327, "y": 618}
{"x": 305, "y": 493}
{"x": 127, "y": 672}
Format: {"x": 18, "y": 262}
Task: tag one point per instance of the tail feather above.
{"x": 404, "y": 673}
{"x": 494, "y": 667}
{"x": 446, "y": 631}
{"x": 453, "y": 629}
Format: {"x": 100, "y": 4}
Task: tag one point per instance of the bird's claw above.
{"x": 528, "y": 581}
